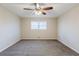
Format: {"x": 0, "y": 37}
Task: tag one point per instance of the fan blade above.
{"x": 48, "y": 8}
{"x": 43, "y": 13}
{"x": 28, "y": 9}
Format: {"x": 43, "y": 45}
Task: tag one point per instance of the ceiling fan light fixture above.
{"x": 37, "y": 12}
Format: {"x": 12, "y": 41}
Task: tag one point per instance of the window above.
{"x": 42, "y": 25}
{"x": 34, "y": 25}
{"x": 39, "y": 25}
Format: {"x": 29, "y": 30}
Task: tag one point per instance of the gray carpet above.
{"x": 38, "y": 48}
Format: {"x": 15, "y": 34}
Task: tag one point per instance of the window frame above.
{"x": 39, "y": 25}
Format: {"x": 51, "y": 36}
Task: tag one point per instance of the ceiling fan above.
{"x": 39, "y": 10}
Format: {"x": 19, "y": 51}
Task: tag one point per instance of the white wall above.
{"x": 9, "y": 29}
{"x": 27, "y": 33}
{"x": 68, "y": 29}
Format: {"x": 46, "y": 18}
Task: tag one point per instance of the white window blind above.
{"x": 42, "y": 25}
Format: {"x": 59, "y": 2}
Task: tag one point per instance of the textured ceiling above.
{"x": 59, "y": 9}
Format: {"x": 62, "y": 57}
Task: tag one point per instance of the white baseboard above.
{"x": 68, "y": 46}
{"x": 9, "y": 46}
{"x": 39, "y": 39}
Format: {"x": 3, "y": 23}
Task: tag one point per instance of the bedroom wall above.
{"x": 9, "y": 29}
{"x": 68, "y": 29}
{"x": 28, "y": 33}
